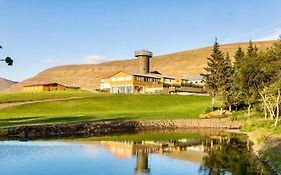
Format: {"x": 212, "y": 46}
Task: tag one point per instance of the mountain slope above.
{"x": 182, "y": 64}
{"x": 4, "y": 83}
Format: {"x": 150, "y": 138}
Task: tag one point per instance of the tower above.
{"x": 143, "y": 57}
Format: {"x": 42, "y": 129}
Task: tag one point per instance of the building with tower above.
{"x": 145, "y": 81}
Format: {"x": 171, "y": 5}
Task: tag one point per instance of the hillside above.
{"x": 182, "y": 64}
{"x": 4, "y": 83}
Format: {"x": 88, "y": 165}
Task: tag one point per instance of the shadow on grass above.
{"x": 18, "y": 119}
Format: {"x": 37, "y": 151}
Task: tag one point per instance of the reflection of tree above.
{"x": 229, "y": 155}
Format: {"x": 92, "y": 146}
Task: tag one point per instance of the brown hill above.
{"x": 4, "y": 83}
{"x": 182, "y": 64}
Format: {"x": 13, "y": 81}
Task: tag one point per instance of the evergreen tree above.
{"x": 236, "y": 89}
{"x": 252, "y": 50}
{"x": 250, "y": 76}
{"x": 227, "y": 93}
{"x": 239, "y": 54}
{"x": 214, "y": 73}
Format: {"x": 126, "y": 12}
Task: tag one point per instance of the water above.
{"x": 158, "y": 153}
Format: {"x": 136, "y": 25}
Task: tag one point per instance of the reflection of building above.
{"x": 185, "y": 149}
{"x": 142, "y": 162}
{"x": 125, "y": 149}
{"x": 146, "y": 81}
{"x": 47, "y": 87}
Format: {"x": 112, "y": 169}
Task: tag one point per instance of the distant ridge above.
{"x": 4, "y": 83}
{"x": 182, "y": 64}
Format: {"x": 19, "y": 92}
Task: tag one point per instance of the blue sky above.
{"x": 44, "y": 33}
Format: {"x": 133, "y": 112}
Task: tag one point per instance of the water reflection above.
{"x": 217, "y": 154}
{"x": 206, "y": 154}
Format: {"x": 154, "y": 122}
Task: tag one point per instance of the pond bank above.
{"x": 108, "y": 127}
{"x": 267, "y": 148}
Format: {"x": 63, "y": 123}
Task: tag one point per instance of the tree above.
{"x": 227, "y": 93}
{"x": 270, "y": 94}
{"x": 235, "y": 89}
{"x": 271, "y": 100}
{"x": 252, "y": 50}
{"x": 238, "y": 57}
{"x": 214, "y": 73}
{"x": 250, "y": 76}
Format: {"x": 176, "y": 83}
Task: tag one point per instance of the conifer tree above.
{"x": 252, "y": 50}
{"x": 238, "y": 57}
{"x": 236, "y": 89}
{"x": 214, "y": 73}
{"x": 249, "y": 76}
{"x": 227, "y": 93}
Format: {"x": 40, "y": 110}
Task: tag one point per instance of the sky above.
{"x": 39, "y": 34}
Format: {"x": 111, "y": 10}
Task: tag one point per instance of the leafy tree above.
{"x": 271, "y": 97}
{"x": 270, "y": 94}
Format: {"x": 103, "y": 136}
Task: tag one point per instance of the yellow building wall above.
{"x": 121, "y": 78}
{"x": 44, "y": 88}
{"x": 33, "y": 89}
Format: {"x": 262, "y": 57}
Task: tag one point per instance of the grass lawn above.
{"x": 32, "y": 96}
{"x": 106, "y": 107}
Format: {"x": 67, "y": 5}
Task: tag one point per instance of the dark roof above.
{"x": 43, "y": 84}
{"x": 155, "y": 72}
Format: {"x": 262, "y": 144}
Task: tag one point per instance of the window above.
{"x": 120, "y": 78}
{"x": 113, "y": 79}
{"x": 122, "y": 89}
{"x": 128, "y": 78}
{"x": 138, "y": 78}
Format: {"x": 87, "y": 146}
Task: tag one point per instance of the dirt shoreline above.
{"x": 108, "y": 127}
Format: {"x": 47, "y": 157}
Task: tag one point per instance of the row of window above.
{"x": 121, "y": 78}
{"x": 148, "y": 79}
{"x": 122, "y": 89}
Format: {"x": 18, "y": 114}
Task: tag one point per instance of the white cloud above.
{"x": 271, "y": 35}
{"x": 261, "y": 34}
{"x": 94, "y": 59}
{"x": 47, "y": 61}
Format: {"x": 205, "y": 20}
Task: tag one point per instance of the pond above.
{"x": 145, "y": 153}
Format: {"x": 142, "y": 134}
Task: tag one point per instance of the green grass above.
{"x": 272, "y": 153}
{"x": 106, "y": 107}
{"x": 33, "y": 96}
{"x": 257, "y": 122}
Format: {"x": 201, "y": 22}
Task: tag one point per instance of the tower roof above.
{"x": 143, "y": 53}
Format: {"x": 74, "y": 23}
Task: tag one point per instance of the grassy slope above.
{"x": 23, "y": 96}
{"x": 106, "y": 107}
{"x": 182, "y": 64}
